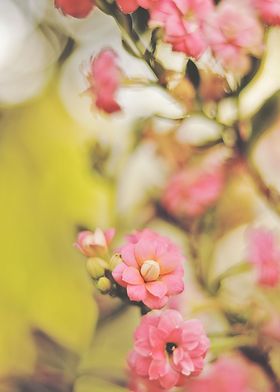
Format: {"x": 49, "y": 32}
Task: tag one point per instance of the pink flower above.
{"x": 77, "y": 9}
{"x": 105, "y": 78}
{"x": 234, "y": 33}
{"x": 129, "y": 6}
{"x": 94, "y": 243}
{"x": 151, "y": 269}
{"x": 269, "y": 10}
{"x": 264, "y": 254}
{"x": 182, "y": 21}
{"x": 226, "y": 375}
{"x": 191, "y": 191}
{"x": 167, "y": 349}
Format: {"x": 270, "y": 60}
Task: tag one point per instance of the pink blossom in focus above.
{"x": 191, "y": 191}
{"x": 264, "y": 254}
{"x": 167, "y": 349}
{"x": 77, "y": 9}
{"x": 129, "y": 6}
{"x": 94, "y": 243}
{"x": 105, "y": 78}
{"x": 151, "y": 269}
{"x": 226, "y": 375}
{"x": 234, "y": 33}
{"x": 269, "y": 11}
{"x": 183, "y": 21}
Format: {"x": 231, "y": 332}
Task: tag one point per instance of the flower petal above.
{"x": 137, "y": 292}
{"x": 128, "y": 256}
{"x": 157, "y": 288}
{"x": 132, "y": 275}
{"x": 117, "y": 274}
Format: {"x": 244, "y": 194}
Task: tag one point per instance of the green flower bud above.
{"x": 96, "y": 267}
{"x": 104, "y": 285}
{"x": 115, "y": 260}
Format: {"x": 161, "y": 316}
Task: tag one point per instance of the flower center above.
{"x": 170, "y": 347}
{"x": 150, "y": 270}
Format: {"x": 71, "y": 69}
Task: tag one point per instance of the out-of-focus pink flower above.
{"x": 105, "y": 78}
{"x": 151, "y": 269}
{"x": 269, "y": 11}
{"x": 167, "y": 349}
{"x": 191, "y": 191}
{"x": 264, "y": 254}
{"x": 234, "y": 33}
{"x": 77, "y": 9}
{"x": 182, "y": 21}
{"x": 226, "y": 375}
{"x": 94, "y": 243}
{"x": 129, "y": 6}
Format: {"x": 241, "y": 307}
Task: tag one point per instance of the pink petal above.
{"x": 131, "y": 275}
{"x": 157, "y": 369}
{"x": 174, "y": 283}
{"x": 157, "y": 288}
{"x": 155, "y": 302}
{"x": 170, "y": 320}
{"x": 128, "y": 256}
{"x": 137, "y": 292}
{"x": 144, "y": 250}
{"x": 170, "y": 379}
{"x": 127, "y": 6}
{"x": 156, "y": 338}
{"x": 168, "y": 262}
{"x": 117, "y": 274}
{"x": 178, "y": 355}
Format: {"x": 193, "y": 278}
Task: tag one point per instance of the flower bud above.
{"x": 94, "y": 243}
{"x": 96, "y": 267}
{"x": 150, "y": 270}
{"x": 104, "y": 285}
{"x": 114, "y": 261}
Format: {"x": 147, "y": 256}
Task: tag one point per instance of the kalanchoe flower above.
{"x": 151, "y": 269}
{"x": 234, "y": 33}
{"x": 183, "y": 21}
{"x": 167, "y": 349}
{"x": 264, "y": 254}
{"x": 129, "y": 6}
{"x": 95, "y": 243}
{"x": 104, "y": 79}
{"x": 75, "y": 8}
{"x": 190, "y": 192}
{"x": 269, "y": 11}
{"x": 225, "y": 375}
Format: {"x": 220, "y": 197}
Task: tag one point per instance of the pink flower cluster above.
{"x": 151, "y": 269}
{"x": 264, "y": 254}
{"x": 168, "y": 350}
{"x": 77, "y": 9}
{"x": 94, "y": 243}
{"x": 233, "y": 34}
{"x": 191, "y": 191}
{"x": 183, "y": 22}
{"x": 104, "y": 79}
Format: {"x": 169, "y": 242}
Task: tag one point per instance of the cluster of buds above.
{"x": 95, "y": 246}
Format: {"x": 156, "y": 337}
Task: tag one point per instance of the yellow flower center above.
{"x": 150, "y": 270}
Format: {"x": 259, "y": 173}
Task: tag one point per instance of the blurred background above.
{"x": 64, "y": 167}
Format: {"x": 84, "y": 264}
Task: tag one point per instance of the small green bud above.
{"x": 104, "y": 285}
{"x": 115, "y": 260}
{"x": 96, "y": 267}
